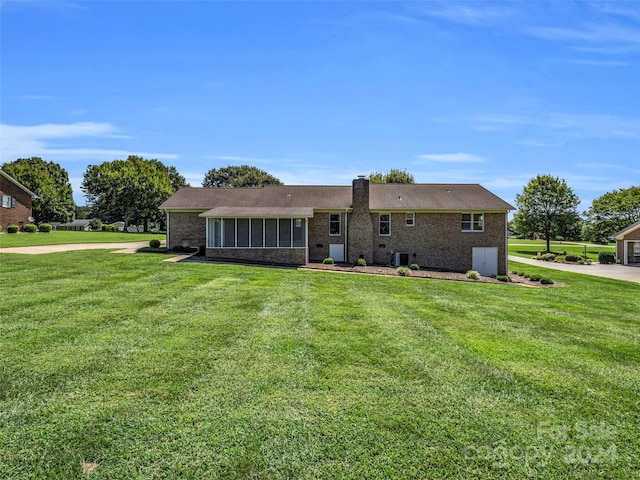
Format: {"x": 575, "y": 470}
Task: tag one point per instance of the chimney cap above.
{"x": 362, "y": 176}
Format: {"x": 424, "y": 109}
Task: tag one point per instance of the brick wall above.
{"x": 438, "y": 242}
{"x": 23, "y": 208}
{"x": 319, "y": 238}
{"x": 279, "y": 256}
{"x": 360, "y": 241}
{"x": 186, "y": 229}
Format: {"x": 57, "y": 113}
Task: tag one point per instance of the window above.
{"x": 8, "y": 201}
{"x": 410, "y": 219}
{"x": 334, "y": 224}
{"x": 472, "y": 222}
{"x": 256, "y": 232}
{"x": 384, "y": 222}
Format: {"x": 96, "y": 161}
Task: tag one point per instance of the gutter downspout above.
{"x": 167, "y": 245}
{"x": 346, "y": 235}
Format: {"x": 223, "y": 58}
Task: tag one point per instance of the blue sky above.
{"x": 319, "y": 92}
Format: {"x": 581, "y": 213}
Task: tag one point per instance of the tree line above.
{"x": 131, "y": 190}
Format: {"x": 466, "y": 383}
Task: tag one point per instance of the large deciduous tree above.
{"x": 392, "y": 176}
{"x": 238, "y": 176}
{"x": 50, "y": 182}
{"x": 549, "y": 206}
{"x": 129, "y": 189}
{"x": 612, "y": 212}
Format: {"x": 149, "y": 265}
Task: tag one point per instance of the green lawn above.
{"x": 59, "y": 237}
{"x": 530, "y": 248}
{"x": 145, "y": 369}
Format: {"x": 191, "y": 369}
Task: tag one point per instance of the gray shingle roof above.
{"x": 279, "y": 198}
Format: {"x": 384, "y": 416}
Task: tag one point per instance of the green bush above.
{"x": 580, "y": 262}
{"x": 0, "y": 228}
{"x": 414, "y": 266}
{"x": 535, "y": 277}
{"x": 95, "y": 224}
{"x": 404, "y": 271}
{"x": 30, "y": 228}
{"x": 44, "y": 228}
{"x": 573, "y": 257}
{"x": 606, "y": 257}
{"x": 546, "y": 281}
{"x": 328, "y": 261}
{"x": 361, "y": 262}
{"x": 561, "y": 259}
{"x": 503, "y": 278}
{"x": 521, "y": 274}
{"x": 13, "y": 229}
{"x": 473, "y": 275}
{"x": 549, "y": 257}
{"x": 155, "y": 243}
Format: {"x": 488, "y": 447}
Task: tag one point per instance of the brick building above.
{"x": 17, "y": 201}
{"x": 446, "y": 226}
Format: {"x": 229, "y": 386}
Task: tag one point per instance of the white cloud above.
{"x": 20, "y": 141}
{"x": 465, "y": 13}
{"x": 459, "y": 157}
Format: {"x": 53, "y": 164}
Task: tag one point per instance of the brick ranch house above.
{"x": 628, "y": 245}
{"x": 444, "y": 226}
{"x": 17, "y": 202}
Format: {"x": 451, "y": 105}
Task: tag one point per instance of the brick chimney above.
{"x": 360, "y": 224}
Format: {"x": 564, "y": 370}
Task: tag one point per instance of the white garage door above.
{"x": 485, "y": 260}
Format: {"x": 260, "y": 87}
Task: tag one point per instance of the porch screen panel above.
{"x": 284, "y": 235}
{"x": 215, "y": 232}
{"x": 229, "y": 232}
{"x": 243, "y": 232}
{"x": 256, "y": 232}
{"x": 270, "y": 232}
{"x": 298, "y": 232}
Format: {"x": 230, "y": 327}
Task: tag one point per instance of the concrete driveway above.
{"x": 123, "y": 247}
{"x": 616, "y": 272}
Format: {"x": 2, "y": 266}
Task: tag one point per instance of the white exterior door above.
{"x": 336, "y": 251}
{"x": 485, "y": 260}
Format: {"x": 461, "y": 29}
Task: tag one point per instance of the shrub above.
{"x": 361, "y": 262}
{"x": 95, "y": 224}
{"x": 526, "y": 275}
{"x": 155, "y": 243}
{"x": 13, "y": 229}
{"x": 588, "y": 261}
{"x": 30, "y": 228}
{"x": 546, "y": 281}
{"x": 0, "y": 228}
{"x": 473, "y": 275}
{"x": 549, "y": 257}
{"x": 535, "y": 277}
{"x": 606, "y": 257}
{"x": 573, "y": 257}
{"x": 580, "y": 262}
{"x": 44, "y": 228}
{"x": 521, "y": 274}
{"x": 503, "y": 278}
{"x": 404, "y": 271}
{"x": 561, "y": 259}
{"x": 110, "y": 228}
{"x": 414, "y": 266}
{"x": 328, "y": 261}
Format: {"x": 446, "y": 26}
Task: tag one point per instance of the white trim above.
{"x": 473, "y": 221}
{"x": 626, "y": 250}
{"x": 339, "y": 234}
{"x": 413, "y": 219}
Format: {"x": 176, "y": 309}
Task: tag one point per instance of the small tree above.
{"x": 548, "y": 205}
{"x": 612, "y": 212}
{"x": 95, "y": 224}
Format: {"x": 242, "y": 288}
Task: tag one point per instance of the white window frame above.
{"x": 382, "y": 222}
{"x": 8, "y": 201}
{"x": 339, "y": 224}
{"x": 294, "y": 222}
{"x": 410, "y": 219}
{"x": 473, "y": 221}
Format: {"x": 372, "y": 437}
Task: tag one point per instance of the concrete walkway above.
{"x": 123, "y": 247}
{"x": 616, "y": 272}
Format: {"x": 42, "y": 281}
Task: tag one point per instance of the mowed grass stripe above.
{"x": 220, "y": 371}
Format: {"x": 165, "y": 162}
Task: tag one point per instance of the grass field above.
{"x": 126, "y": 367}
{"x": 59, "y": 237}
{"x": 530, "y": 248}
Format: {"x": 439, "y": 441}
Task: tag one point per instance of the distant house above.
{"x": 17, "y": 202}
{"x": 628, "y": 245}
{"x": 445, "y": 226}
{"x": 81, "y": 225}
